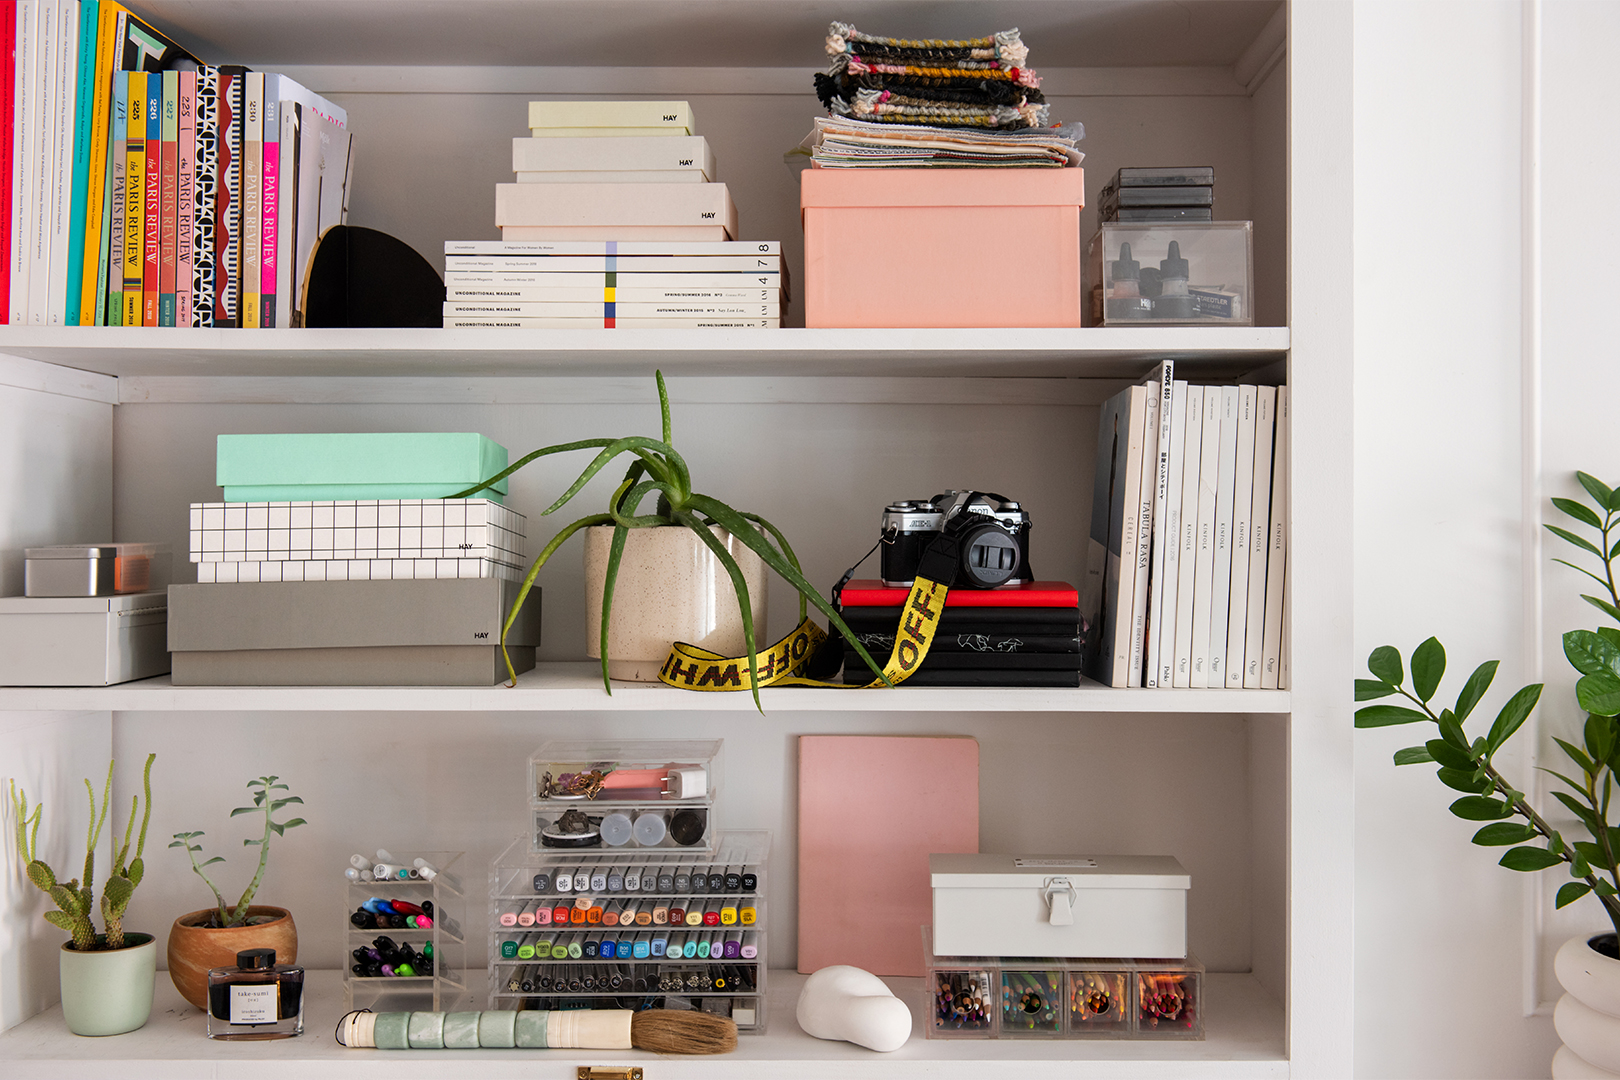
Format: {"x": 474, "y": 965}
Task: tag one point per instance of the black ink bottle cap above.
{"x": 256, "y": 959}
{"x": 1126, "y": 268}
{"x": 1173, "y": 266}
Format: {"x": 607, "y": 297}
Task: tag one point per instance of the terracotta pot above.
{"x": 108, "y": 991}
{"x": 195, "y": 948}
{"x": 670, "y": 588}
{"x": 1588, "y": 1015}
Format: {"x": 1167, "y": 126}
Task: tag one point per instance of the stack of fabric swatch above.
{"x": 1021, "y": 635}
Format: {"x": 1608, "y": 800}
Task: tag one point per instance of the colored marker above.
{"x": 660, "y": 912}
{"x": 666, "y": 880}
{"x": 689, "y": 949}
{"x": 746, "y": 913}
{"x": 632, "y": 879}
{"x": 733, "y": 945}
{"x": 526, "y": 915}
{"x": 750, "y": 881}
{"x": 749, "y": 948}
{"x": 657, "y": 944}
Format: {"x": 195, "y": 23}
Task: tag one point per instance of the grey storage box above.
{"x": 82, "y": 640}
{"x": 349, "y": 633}
{"x": 1059, "y": 905}
{"x": 95, "y": 569}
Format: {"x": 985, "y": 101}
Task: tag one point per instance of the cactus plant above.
{"x": 264, "y": 802}
{"x": 75, "y": 901}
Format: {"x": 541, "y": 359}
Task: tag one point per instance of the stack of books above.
{"x": 1017, "y": 635}
{"x": 144, "y": 188}
{"x": 616, "y": 221}
{"x": 1188, "y": 552}
{"x": 1176, "y": 193}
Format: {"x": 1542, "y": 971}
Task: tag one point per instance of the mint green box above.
{"x": 387, "y": 465}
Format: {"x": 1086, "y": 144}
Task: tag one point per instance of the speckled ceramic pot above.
{"x": 670, "y": 588}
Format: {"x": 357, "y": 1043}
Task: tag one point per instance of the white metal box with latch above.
{"x": 1059, "y": 905}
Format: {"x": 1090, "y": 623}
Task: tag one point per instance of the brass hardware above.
{"x": 609, "y": 1072}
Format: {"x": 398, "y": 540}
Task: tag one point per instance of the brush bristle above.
{"x": 674, "y": 1031}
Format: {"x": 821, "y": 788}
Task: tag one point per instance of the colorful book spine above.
{"x": 168, "y": 204}
{"x": 252, "y": 196}
{"x": 117, "y": 156}
{"x": 24, "y": 90}
{"x": 152, "y": 222}
{"x": 93, "y": 286}
{"x": 228, "y": 198}
{"x": 134, "y": 196}
{"x": 8, "y": 162}
{"x": 204, "y": 190}
{"x": 185, "y": 197}
{"x": 74, "y": 309}
{"x": 269, "y": 229}
{"x": 287, "y": 210}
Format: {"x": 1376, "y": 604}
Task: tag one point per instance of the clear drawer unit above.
{"x": 631, "y": 928}
{"x": 405, "y": 945}
{"x": 1171, "y": 273}
{"x": 637, "y": 795}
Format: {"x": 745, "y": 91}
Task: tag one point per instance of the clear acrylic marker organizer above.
{"x": 633, "y": 929}
{"x": 371, "y": 982}
{"x": 980, "y": 997}
{"x": 624, "y": 795}
{"x": 1171, "y": 274}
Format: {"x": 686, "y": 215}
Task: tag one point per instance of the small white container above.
{"x": 1059, "y": 905}
{"x": 83, "y": 640}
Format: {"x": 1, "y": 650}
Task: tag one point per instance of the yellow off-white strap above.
{"x": 587, "y": 1029}
{"x": 359, "y": 1030}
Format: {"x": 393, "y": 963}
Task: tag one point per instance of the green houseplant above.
{"x": 658, "y": 470}
{"x": 211, "y": 937}
{"x": 106, "y": 977}
{"x": 1588, "y": 1016}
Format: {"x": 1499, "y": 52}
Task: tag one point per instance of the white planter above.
{"x": 1588, "y": 1015}
{"x": 670, "y": 588}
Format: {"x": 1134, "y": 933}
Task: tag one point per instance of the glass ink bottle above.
{"x": 256, "y": 999}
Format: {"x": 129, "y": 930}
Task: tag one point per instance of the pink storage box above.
{"x": 942, "y": 247}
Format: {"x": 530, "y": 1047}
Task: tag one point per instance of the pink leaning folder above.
{"x": 871, "y": 811}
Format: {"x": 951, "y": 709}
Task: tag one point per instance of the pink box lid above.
{"x": 942, "y": 187}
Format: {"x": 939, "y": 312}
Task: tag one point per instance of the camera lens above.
{"x": 989, "y": 556}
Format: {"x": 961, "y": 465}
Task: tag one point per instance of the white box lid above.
{"x": 83, "y": 605}
{"x": 1033, "y": 871}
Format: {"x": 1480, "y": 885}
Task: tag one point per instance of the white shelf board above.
{"x": 1094, "y": 352}
{"x": 577, "y": 687}
{"x": 1243, "y": 1024}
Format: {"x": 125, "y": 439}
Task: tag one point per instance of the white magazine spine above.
{"x": 1165, "y": 385}
{"x": 1144, "y": 535}
{"x": 67, "y": 95}
{"x": 24, "y": 126}
{"x": 1169, "y": 574}
{"x": 1187, "y": 547}
{"x": 1209, "y": 467}
{"x": 1277, "y": 549}
{"x": 1237, "y": 620}
{"x": 1265, "y": 429}
{"x": 43, "y": 164}
{"x": 1221, "y": 579}
{"x": 1123, "y": 582}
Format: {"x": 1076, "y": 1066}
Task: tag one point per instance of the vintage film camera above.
{"x": 991, "y": 530}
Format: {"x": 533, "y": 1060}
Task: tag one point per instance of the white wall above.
{"x": 1444, "y": 938}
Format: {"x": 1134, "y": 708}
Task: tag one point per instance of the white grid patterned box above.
{"x": 381, "y": 529}
{"x": 356, "y": 570}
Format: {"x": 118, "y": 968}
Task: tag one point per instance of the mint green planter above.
{"x": 108, "y": 991}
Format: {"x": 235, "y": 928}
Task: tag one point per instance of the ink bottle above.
{"x": 256, "y": 999}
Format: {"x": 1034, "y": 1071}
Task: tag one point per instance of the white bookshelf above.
{"x": 1250, "y": 787}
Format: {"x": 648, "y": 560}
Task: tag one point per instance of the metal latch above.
{"x": 1060, "y": 895}
{"x": 609, "y": 1072}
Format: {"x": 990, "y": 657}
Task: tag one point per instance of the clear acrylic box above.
{"x": 445, "y": 940}
{"x": 634, "y": 795}
{"x": 982, "y": 997}
{"x": 1171, "y": 273}
{"x": 559, "y": 937}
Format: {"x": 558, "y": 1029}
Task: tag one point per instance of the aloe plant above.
{"x": 658, "y": 469}
{"x": 265, "y": 802}
{"x": 1467, "y": 764}
{"x": 76, "y": 902}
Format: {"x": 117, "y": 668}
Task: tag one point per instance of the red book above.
{"x": 868, "y": 592}
{"x": 8, "y": 105}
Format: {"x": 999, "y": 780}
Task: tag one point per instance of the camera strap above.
{"x": 692, "y": 668}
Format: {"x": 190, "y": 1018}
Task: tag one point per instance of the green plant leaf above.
{"x": 663, "y": 408}
{"x": 1449, "y": 756}
{"x": 787, "y": 552}
{"x": 211, "y": 862}
{"x": 1579, "y": 867}
{"x": 534, "y": 571}
{"x": 1583, "y": 814}
{"x": 61, "y": 920}
{"x": 1603, "y": 888}
{"x": 1584, "y": 570}
{"x": 1503, "y": 833}
{"x": 1372, "y": 689}
{"x": 1579, "y": 511}
{"x": 658, "y": 454}
{"x": 1591, "y": 653}
{"x": 610, "y": 580}
{"x": 1599, "y": 693}
{"x": 1474, "y": 689}
{"x": 1385, "y": 662}
{"x": 546, "y": 451}
{"x": 1589, "y": 851}
{"x": 1463, "y": 780}
{"x": 1513, "y": 714}
{"x": 1596, "y": 488}
{"x": 1609, "y": 633}
{"x": 1413, "y": 755}
{"x": 1604, "y": 606}
{"x": 1528, "y": 859}
{"x": 1570, "y": 892}
{"x": 1578, "y": 756}
{"x": 1428, "y": 668}
{"x": 240, "y": 810}
{"x": 1599, "y": 735}
{"x": 1580, "y": 542}
{"x": 294, "y": 823}
{"x": 1385, "y": 715}
{"x": 1480, "y": 808}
